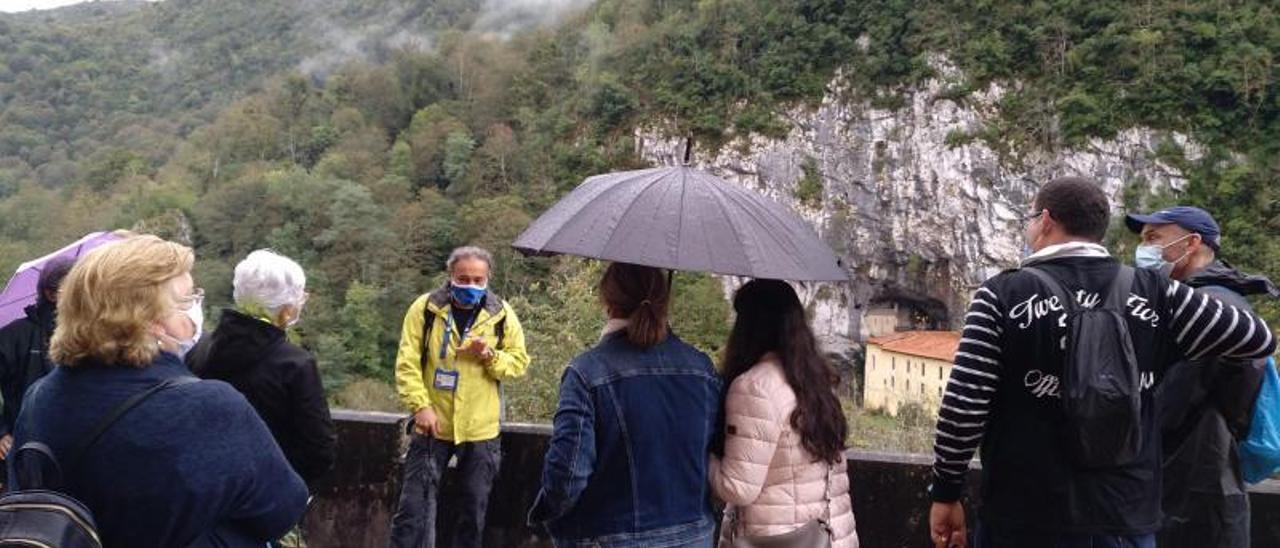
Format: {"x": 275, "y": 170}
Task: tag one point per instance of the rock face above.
{"x": 919, "y": 213}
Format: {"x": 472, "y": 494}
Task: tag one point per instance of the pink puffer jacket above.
{"x": 766, "y": 473}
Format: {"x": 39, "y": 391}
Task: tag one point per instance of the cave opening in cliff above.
{"x": 897, "y": 311}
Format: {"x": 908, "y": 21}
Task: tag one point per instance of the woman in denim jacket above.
{"x": 627, "y": 463}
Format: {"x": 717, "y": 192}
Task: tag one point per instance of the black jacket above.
{"x": 282, "y": 383}
{"x": 1206, "y": 410}
{"x": 1004, "y": 395}
{"x": 24, "y": 358}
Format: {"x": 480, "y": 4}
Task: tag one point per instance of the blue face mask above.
{"x": 467, "y": 295}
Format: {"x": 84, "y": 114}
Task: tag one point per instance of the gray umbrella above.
{"x": 680, "y": 218}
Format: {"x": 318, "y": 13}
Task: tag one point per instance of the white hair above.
{"x": 269, "y": 280}
{"x": 468, "y": 252}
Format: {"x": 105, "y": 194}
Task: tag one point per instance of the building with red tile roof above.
{"x": 908, "y": 367}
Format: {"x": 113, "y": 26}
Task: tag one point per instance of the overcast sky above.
{"x": 24, "y": 5}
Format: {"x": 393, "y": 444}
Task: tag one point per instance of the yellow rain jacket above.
{"x": 472, "y": 410}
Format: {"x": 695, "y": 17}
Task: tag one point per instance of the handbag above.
{"x": 815, "y": 534}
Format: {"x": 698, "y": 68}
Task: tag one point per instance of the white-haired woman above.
{"x": 249, "y": 350}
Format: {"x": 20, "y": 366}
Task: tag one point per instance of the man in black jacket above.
{"x": 24, "y": 348}
{"x": 1005, "y": 389}
{"x": 1205, "y": 410}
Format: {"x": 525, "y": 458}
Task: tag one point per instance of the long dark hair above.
{"x": 639, "y": 294}
{"x": 771, "y": 319}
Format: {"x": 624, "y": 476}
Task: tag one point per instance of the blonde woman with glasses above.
{"x": 192, "y": 462}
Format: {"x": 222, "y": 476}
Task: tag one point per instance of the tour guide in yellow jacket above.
{"x": 458, "y": 343}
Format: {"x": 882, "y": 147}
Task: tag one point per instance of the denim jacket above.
{"x": 627, "y": 462}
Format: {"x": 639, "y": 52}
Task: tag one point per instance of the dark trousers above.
{"x": 414, "y": 524}
{"x": 1208, "y": 521}
{"x": 989, "y": 536}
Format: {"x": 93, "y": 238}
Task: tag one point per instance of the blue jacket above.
{"x": 627, "y": 462}
{"x": 186, "y": 461}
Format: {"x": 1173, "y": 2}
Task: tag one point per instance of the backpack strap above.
{"x": 500, "y": 330}
{"x": 1121, "y": 286}
{"x": 115, "y": 414}
{"x": 428, "y": 323}
{"x": 1065, "y": 299}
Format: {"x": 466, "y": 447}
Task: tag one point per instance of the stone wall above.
{"x": 353, "y": 508}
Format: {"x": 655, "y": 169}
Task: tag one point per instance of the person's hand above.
{"x": 476, "y": 347}
{"x": 6, "y": 445}
{"x": 425, "y": 422}
{"x": 946, "y": 525}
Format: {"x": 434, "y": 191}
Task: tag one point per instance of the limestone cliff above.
{"x": 919, "y": 212}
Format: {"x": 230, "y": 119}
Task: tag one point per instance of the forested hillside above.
{"x": 367, "y": 138}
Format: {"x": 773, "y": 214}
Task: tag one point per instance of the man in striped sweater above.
{"x": 1004, "y": 391}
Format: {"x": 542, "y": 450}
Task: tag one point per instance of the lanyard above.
{"x": 448, "y": 331}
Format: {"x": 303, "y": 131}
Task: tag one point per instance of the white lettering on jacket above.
{"x": 1041, "y": 384}
{"x": 1140, "y": 308}
{"x": 1035, "y": 308}
{"x": 1044, "y": 385}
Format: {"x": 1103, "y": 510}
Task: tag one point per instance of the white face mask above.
{"x": 196, "y": 315}
{"x": 1151, "y": 256}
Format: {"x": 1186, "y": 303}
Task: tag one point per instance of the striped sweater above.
{"x": 1003, "y": 395}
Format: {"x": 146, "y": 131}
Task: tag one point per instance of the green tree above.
{"x": 364, "y": 334}
{"x": 109, "y": 166}
{"x": 496, "y": 163}
{"x": 427, "y": 135}
{"x": 457, "y": 156}
{"x": 493, "y": 223}
{"x": 561, "y": 317}
{"x": 356, "y": 243}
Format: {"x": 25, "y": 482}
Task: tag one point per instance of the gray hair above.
{"x": 268, "y": 280}
{"x": 469, "y": 252}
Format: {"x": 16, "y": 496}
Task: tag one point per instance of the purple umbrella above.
{"x": 21, "y": 290}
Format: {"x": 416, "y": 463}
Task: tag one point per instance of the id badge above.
{"x": 446, "y": 380}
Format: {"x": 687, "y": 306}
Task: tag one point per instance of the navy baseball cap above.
{"x": 1190, "y": 218}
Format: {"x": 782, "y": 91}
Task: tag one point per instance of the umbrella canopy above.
{"x": 681, "y": 218}
{"x": 21, "y": 290}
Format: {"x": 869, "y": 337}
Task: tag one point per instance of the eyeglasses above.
{"x": 194, "y": 299}
{"x": 1032, "y": 217}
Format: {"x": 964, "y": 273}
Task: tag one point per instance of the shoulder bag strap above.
{"x": 115, "y": 414}
{"x": 731, "y": 512}
{"x": 826, "y": 519}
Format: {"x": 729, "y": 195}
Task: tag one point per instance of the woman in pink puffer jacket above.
{"x": 783, "y": 463}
